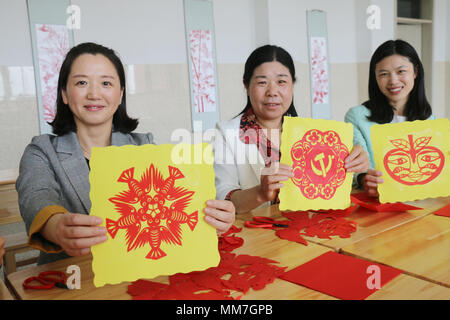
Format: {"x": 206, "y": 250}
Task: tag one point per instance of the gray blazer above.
{"x": 53, "y": 171}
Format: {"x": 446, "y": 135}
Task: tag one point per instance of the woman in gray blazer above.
{"x": 53, "y": 183}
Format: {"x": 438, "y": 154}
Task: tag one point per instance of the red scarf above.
{"x": 251, "y": 132}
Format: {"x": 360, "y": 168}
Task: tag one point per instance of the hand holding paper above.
{"x": 271, "y": 180}
{"x": 357, "y": 160}
{"x": 76, "y": 233}
{"x": 371, "y": 181}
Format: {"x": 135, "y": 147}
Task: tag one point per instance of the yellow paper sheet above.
{"x": 316, "y": 149}
{"x": 141, "y": 197}
{"x": 414, "y": 159}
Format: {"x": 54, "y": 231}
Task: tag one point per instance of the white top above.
{"x": 237, "y": 165}
{"x": 398, "y": 119}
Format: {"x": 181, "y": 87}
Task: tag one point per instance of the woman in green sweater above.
{"x": 396, "y": 94}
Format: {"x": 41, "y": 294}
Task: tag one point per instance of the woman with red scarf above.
{"x": 247, "y": 151}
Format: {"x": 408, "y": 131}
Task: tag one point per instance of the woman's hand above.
{"x": 220, "y": 214}
{"x": 76, "y": 233}
{"x": 357, "y": 160}
{"x": 270, "y": 181}
{"x": 371, "y": 181}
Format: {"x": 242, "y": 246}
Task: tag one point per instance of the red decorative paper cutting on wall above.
{"x": 152, "y": 210}
{"x": 414, "y": 162}
{"x": 202, "y": 70}
{"x": 52, "y": 43}
{"x": 318, "y": 163}
{"x": 319, "y": 73}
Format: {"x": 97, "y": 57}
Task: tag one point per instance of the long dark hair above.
{"x": 268, "y": 53}
{"x": 64, "y": 121}
{"x": 417, "y": 107}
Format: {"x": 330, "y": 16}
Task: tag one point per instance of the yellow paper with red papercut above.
{"x": 316, "y": 149}
{"x": 414, "y": 157}
{"x": 151, "y": 201}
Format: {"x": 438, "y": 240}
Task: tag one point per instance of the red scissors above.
{"x": 264, "y": 222}
{"x": 47, "y": 280}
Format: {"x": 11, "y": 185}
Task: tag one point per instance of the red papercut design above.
{"x": 52, "y": 43}
{"x": 163, "y": 212}
{"x": 318, "y": 162}
{"x": 203, "y": 81}
{"x": 413, "y": 162}
{"x": 229, "y": 242}
{"x": 323, "y": 224}
{"x": 319, "y": 73}
{"x": 235, "y": 272}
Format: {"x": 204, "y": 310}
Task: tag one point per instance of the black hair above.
{"x": 268, "y": 53}
{"x": 64, "y": 122}
{"x": 417, "y": 106}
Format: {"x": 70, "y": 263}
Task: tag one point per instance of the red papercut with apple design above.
{"x": 413, "y": 158}
{"x": 414, "y": 161}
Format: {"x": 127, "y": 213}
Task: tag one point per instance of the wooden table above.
{"x": 9, "y": 207}
{"x": 8, "y": 176}
{"x": 420, "y": 248}
{"x": 370, "y": 223}
{"x": 4, "y": 292}
{"x": 262, "y": 242}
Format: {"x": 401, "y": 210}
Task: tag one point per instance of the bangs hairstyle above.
{"x": 64, "y": 121}
{"x": 417, "y": 106}
{"x": 268, "y": 53}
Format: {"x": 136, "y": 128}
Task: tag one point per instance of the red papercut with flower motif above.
{"x": 318, "y": 162}
{"x": 152, "y": 210}
{"x": 414, "y": 162}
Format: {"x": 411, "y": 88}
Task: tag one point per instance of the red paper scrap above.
{"x": 234, "y": 272}
{"x": 342, "y": 276}
{"x": 372, "y": 203}
{"x": 233, "y": 229}
{"x": 444, "y": 211}
{"x": 322, "y": 224}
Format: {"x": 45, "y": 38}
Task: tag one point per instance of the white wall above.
{"x": 149, "y": 36}
{"x": 448, "y": 32}
{"x": 144, "y": 32}
{"x": 15, "y": 47}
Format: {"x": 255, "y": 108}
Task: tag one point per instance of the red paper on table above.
{"x": 444, "y": 211}
{"x": 229, "y": 242}
{"x": 235, "y": 272}
{"x": 322, "y": 224}
{"x": 372, "y": 203}
{"x": 341, "y": 276}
